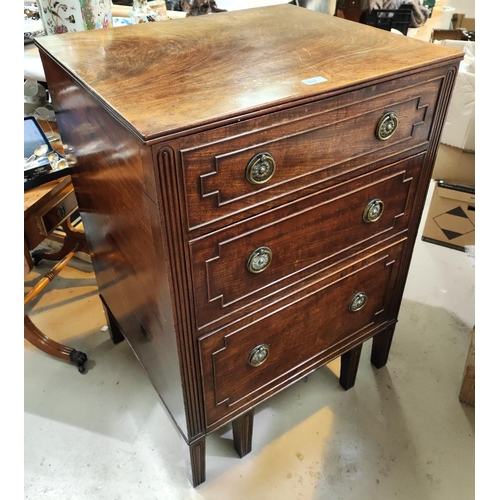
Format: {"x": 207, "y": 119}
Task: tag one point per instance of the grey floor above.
{"x": 401, "y": 432}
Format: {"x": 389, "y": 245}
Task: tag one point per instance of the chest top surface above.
{"x": 167, "y": 77}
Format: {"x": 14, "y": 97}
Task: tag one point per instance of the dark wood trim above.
{"x": 114, "y": 330}
{"x": 178, "y": 261}
{"x": 197, "y": 452}
{"x": 381, "y": 347}
{"x": 242, "y": 433}
{"x": 349, "y": 363}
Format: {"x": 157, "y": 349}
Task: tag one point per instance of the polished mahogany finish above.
{"x": 207, "y": 70}
{"x": 332, "y": 228}
{"x": 251, "y": 185}
{"x": 295, "y": 345}
{"x": 309, "y": 144}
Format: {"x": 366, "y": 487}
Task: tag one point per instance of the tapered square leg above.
{"x": 196, "y": 459}
{"x": 242, "y": 433}
{"x": 381, "y": 347}
{"x": 113, "y": 328}
{"x": 349, "y": 363}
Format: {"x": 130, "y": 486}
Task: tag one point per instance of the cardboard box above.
{"x": 444, "y": 34}
{"x": 455, "y": 166}
{"x": 459, "y": 21}
{"x": 459, "y": 129}
{"x": 468, "y": 24}
{"x": 451, "y": 218}
{"x": 456, "y": 20}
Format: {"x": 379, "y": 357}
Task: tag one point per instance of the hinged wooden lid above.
{"x": 165, "y": 77}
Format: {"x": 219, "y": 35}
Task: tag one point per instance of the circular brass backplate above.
{"x": 259, "y": 260}
{"x": 358, "y": 301}
{"x": 386, "y": 126}
{"x": 260, "y": 168}
{"x": 373, "y": 210}
{"x": 258, "y": 355}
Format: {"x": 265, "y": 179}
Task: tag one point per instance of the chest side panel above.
{"x": 115, "y": 188}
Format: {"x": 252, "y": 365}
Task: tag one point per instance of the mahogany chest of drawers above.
{"x": 251, "y": 184}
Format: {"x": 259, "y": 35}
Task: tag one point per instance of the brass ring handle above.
{"x": 61, "y": 211}
{"x": 386, "y": 126}
{"x": 358, "y": 301}
{"x": 258, "y": 355}
{"x": 373, "y": 211}
{"x": 259, "y": 260}
{"x": 260, "y": 168}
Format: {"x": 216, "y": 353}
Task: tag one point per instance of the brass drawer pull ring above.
{"x": 258, "y": 355}
{"x": 358, "y": 301}
{"x": 61, "y": 211}
{"x": 373, "y": 211}
{"x": 386, "y": 127}
{"x": 259, "y": 260}
{"x": 260, "y": 168}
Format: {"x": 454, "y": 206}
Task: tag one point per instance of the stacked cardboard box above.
{"x": 459, "y": 21}
{"x": 451, "y": 218}
{"x": 460, "y": 28}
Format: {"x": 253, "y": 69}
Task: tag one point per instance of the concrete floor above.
{"x": 401, "y": 432}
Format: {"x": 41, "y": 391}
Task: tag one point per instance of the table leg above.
{"x": 35, "y": 291}
{"x": 72, "y": 237}
{"x": 37, "y": 338}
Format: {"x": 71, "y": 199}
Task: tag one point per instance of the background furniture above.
{"x": 257, "y": 219}
{"x": 353, "y": 9}
{"x": 47, "y": 208}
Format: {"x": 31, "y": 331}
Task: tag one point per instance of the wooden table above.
{"x": 46, "y": 208}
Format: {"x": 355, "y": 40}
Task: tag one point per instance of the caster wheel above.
{"x": 36, "y": 258}
{"x": 79, "y": 358}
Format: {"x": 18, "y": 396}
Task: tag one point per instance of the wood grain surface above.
{"x": 203, "y": 69}
{"x": 331, "y": 228}
{"x": 313, "y": 326}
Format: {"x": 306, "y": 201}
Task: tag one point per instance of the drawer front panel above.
{"x": 331, "y": 138}
{"x": 286, "y": 342}
{"x": 299, "y": 239}
{"x": 61, "y": 210}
